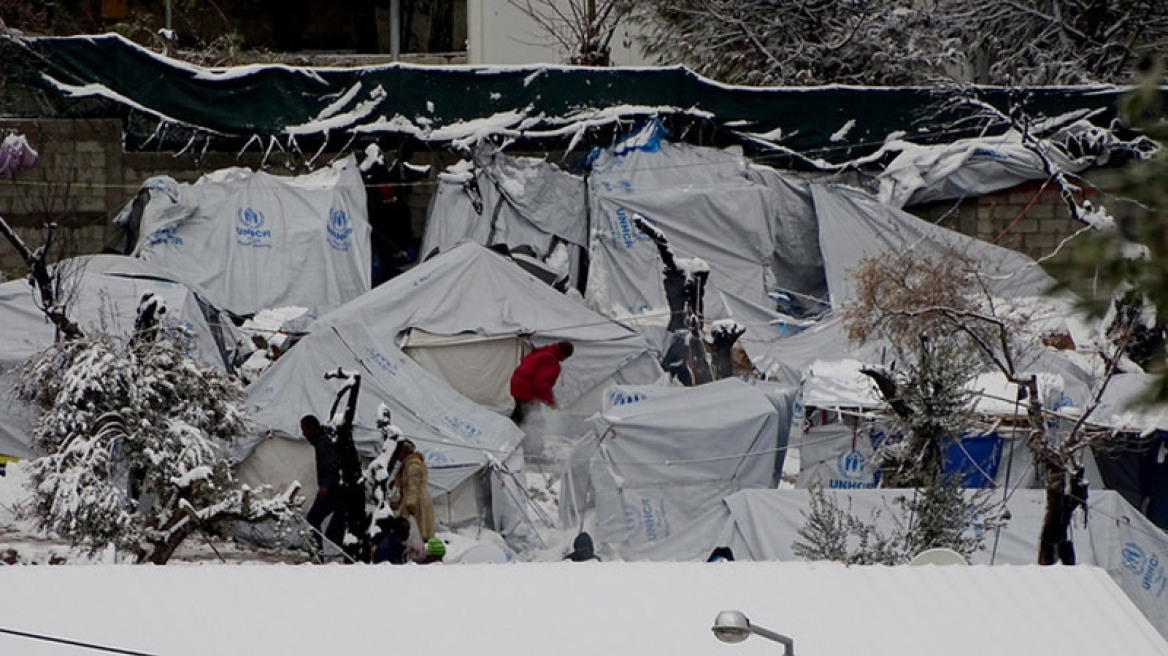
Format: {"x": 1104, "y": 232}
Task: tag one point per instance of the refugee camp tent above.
{"x": 656, "y": 457}
{"x": 515, "y": 201}
{"x": 458, "y": 438}
{"x": 471, "y": 302}
{"x": 701, "y": 199}
{"x": 246, "y": 237}
{"x": 854, "y": 225}
{"x": 102, "y": 293}
{"x": 764, "y": 525}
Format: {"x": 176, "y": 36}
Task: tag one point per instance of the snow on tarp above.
{"x": 506, "y": 200}
{"x": 657, "y": 457}
{"x": 762, "y": 525}
{"x": 969, "y": 168}
{"x": 254, "y": 240}
{"x": 854, "y": 225}
{"x": 453, "y": 102}
{"x": 1123, "y": 405}
{"x": 472, "y": 289}
{"x": 787, "y": 359}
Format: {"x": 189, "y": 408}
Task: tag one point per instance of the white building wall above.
{"x": 498, "y": 33}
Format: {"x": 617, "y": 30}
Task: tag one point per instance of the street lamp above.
{"x": 732, "y": 626}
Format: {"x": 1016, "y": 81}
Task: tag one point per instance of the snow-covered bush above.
{"x": 939, "y": 516}
{"x": 132, "y": 438}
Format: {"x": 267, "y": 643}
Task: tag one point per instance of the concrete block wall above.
{"x": 1030, "y": 218}
{"x": 78, "y": 180}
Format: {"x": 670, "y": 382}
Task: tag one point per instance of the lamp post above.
{"x": 731, "y": 626}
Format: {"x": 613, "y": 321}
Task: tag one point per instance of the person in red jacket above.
{"x": 536, "y": 375}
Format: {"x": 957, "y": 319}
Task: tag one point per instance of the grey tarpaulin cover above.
{"x": 474, "y": 290}
{"x": 764, "y": 524}
{"x": 507, "y": 200}
{"x": 254, "y": 240}
{"x": 969, "y": 168}
{"x": 107, "y": 291}
{"x": 703, "y": 201}
{"x": 657, "y": 457}
{"x": 854, "y": 225}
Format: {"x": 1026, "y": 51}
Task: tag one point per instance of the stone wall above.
{"x": 78, "y": 179}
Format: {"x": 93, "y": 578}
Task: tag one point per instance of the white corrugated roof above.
{"x": 573, "y": 609}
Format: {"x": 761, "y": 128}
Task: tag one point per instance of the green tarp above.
{"x": 447, "y": 103}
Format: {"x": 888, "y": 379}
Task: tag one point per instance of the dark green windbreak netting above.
{"x": 112, "y": 76}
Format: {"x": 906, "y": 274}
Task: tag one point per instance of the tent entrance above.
{"x": 476, "y": 366}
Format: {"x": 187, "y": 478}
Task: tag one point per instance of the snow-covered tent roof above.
{"x": 472, "y": 289}
{"x": 763, "y": 525}
{"x": 657, "y": 456}
{"x": 255, "y": 240}
{"x": 574, "y": 609}
{"x": 103, "y": 292}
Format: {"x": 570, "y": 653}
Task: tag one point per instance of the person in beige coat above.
{"x": 413, "y": 498}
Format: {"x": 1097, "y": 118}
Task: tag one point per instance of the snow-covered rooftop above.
{"x": 572, "y": 609}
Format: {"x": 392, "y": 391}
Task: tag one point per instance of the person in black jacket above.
{"x": 328, "y": 478}
{"x": 582, "y": 549}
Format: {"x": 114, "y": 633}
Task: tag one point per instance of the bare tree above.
{"x": 1027, "y": 42}
{"x": 49, "y": 286}
{"x": 902, "y": 298}
{"x": 582, "y": 28}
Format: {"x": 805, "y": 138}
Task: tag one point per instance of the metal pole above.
{"x": 168, "y": 16}
{"x": 788, "y": 643}
{"x": 395, "y": 29}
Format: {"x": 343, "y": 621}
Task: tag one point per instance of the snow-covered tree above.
{"x": 896, "y": 42}
{"x": 1124, "y": 255}
{"x": 132, "y": 441}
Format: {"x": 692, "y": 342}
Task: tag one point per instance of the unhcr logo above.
{"x": 250, "y": 229}
{"x": 1134, "y": 558}
{"x": 851, "y": 464}
{"x": 339, "y": 229}
{"x": 617, "y": 397}
{"x": 164, "y": 236}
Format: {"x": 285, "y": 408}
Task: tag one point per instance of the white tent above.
{"x": 657, "y": 457}
{"x": 475, "y": 300}
{"x": 247, "y": 236}
{"x": 457, "y": 437}
{"x": 763, "y": 525}
{"x": 102, "y": 293}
